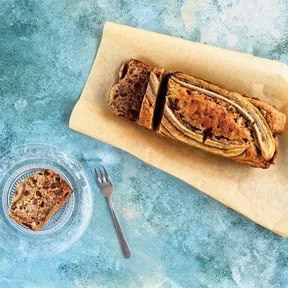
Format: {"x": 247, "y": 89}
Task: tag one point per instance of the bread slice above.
{"x": 149, "y": 102}
{"x": 127, "y": 95}
{"x": 38, "y": 198}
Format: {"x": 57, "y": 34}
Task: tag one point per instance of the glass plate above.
{"x": 65, "y": 226}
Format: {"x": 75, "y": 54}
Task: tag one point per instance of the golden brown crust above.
{"x": 214, "y": 119}
{"x": 275, "y": 119}
{"x": 252, "y": 157}
{"x": 52, "y": 191}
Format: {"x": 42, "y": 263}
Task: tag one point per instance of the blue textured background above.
{"x": 179, "y": 237}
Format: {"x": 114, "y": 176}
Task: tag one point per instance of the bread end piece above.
{"x": 127, "y": 95}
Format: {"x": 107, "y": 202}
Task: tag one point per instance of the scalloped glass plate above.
{"x": 71, "y": 220}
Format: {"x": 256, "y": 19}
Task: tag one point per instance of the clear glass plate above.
{"x": 65, "y": 226}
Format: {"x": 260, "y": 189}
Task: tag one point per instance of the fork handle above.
{"x": 124, "y": 244}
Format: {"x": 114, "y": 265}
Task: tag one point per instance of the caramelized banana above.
{"x": 194, "y": 139}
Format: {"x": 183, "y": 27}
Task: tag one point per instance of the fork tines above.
{"x": 102, "y": 175}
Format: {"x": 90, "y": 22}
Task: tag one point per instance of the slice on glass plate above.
{"x": 38, "y": 198}
{"x": 37, "y": 231}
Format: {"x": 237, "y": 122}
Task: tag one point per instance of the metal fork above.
{"x": 106, "y": 186}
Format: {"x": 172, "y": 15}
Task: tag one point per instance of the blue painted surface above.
{"x": 179, "y": 237}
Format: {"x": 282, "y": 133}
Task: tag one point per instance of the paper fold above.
{"x": 257, "y": 194}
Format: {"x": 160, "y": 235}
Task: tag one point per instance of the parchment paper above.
{"x": 260, "y": 195}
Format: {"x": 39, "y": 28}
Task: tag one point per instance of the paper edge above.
{"x": 74, "y": 127}
{"x": 71, "y": 125}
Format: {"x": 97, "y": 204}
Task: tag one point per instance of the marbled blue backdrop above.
{"x": 179, "y": 237}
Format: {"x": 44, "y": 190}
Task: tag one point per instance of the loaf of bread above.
{"x": 38, "y": 198}
{"x": 201, "y": 114}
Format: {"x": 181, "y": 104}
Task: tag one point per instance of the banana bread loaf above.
{"x": 201, "y": 114}
{"x": 224, "y": 123}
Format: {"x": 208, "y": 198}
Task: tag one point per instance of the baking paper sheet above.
{"x": 260, "y": 195}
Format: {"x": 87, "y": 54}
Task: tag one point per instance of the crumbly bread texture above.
{"x": 127, "y": 95}
{"x": 201, "y": 114}
{"x": 38, "y": 198}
